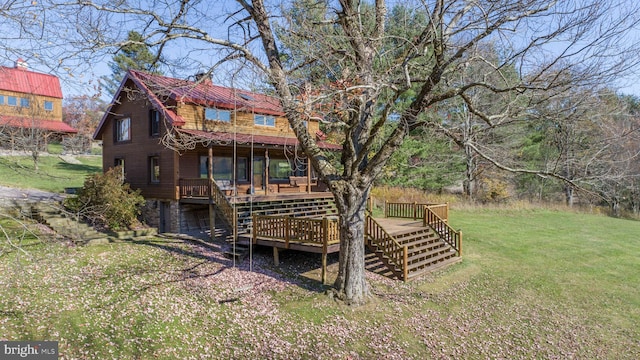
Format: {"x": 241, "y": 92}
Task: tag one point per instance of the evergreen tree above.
{"x": 133, "y": 54}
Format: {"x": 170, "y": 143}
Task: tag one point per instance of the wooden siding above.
{"x": 244, "y": 123}
{"x": 139, "y": 149}
{"x": 36, "y": 106}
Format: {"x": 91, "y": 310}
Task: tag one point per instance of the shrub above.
{"x": 105, "y": 200}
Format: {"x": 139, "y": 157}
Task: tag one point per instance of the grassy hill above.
{"x": 54, "y": 174}
{"x": 532, "y": 284}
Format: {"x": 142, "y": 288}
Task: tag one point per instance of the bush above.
{"x": 105, "y": 200}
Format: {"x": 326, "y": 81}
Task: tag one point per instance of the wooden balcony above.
{"x": 197, "y": 191}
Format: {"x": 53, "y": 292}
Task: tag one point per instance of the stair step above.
{"x": 429, "y": 261}
{"x": 426, "y": 247}
{"x": 433, "y": 267}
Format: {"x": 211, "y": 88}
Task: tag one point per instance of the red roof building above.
{"x": 30, "y": 99}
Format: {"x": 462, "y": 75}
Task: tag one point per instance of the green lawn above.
{"x": 54, "y": 174}
{"x": 532, "y": 284}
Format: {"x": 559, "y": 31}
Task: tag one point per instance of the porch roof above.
{"x": 226, "y": 137}
{"x": 36, "y": 123}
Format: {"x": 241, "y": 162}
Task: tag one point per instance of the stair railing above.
{"x": 440, "y": 226}
{"x": 225, "y": 208}
{"x": 397, "y": 254}
{"x": 412, "y": 210}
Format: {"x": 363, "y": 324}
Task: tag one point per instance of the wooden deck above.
{"x": 392, "y": 226}
{"x": 395, "y": 226}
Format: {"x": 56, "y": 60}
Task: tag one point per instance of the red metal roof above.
{"x": 206, "y": 94}
{"x": 227, "y": 137}
{"x": 29, "y": 82}
{"x": 43, "y": 124}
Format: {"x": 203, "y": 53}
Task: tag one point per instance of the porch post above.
{"x": 276, "y": 256}
{"x": 308, "y": 176}
{"x": 212, "y": 214}
{"x": 325, "y": 243}
{"x": 266, "y": 171}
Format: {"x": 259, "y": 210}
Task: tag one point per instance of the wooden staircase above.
{"x": 416, "y": 250}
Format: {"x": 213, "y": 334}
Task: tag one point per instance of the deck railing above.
{"x": 446, "y": 232}
{"x": 200, "y": 188}
{"x": 194, "y": 188}
{"x": 397, "y": 254}
{"x": 320, "y": 232}
{"x": 414, "y": 210}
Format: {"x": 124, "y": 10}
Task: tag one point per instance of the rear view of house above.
{"x": 168, "y": 134}
{"x": 200, "y": 152}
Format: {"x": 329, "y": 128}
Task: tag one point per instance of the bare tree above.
{"x": 341, "y": 62}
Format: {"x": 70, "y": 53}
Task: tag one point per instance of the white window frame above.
{"x": 215, "y": 114}
{"x": 264, "y": 120}
{"x": 120, "y": 134}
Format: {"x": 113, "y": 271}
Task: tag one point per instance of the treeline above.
{"x": 582, "y": 147}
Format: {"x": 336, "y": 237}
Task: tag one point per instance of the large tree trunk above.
{"x": 351, "y": 284}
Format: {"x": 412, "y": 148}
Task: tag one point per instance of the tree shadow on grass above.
{"x": 80, "y": 168}
{"x": 297, "y": 268}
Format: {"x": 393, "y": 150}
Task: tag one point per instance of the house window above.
{"x": 48, "y": 105}
{"x": 242, "y": 169}
{"x": 12, "y": 101}
{"x": 222, "y": 167}
{"x": 123, "y": 129}
{"x": 154, "y": 169}
{"x": 24, "y": 102}
{"x": 264, "y": 120}
{"x": 217, "y": 114}
{"x": 154, "y": 123}
{"x": 279, "y": 169}
{"x": 1, "y": 100}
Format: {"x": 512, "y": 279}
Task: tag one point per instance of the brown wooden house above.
{"x": 200, "y": 152}
{"x": 30, "y": 105}
{"x": 166, "y": 132}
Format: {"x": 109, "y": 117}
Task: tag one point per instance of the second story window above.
{"x": 24, "y": 102}
{"x": 264, "y": 120}
{"x": 154, "y": 123}
{"x": 12, "y": 101}
{"x": 1, "y": 100}
{"x": 48, "y": 105}
{"x": 217, "y": 114}
{"x": 123, "y": 129}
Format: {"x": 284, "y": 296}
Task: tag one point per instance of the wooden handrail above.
{"x": 321, "y": 232}
{"x": 411, "y": 210}
{"x": 446, "y": 232}
{"x": 200, "y": 188}
{"x": 396, "y": 253}
{"x": 224, "y": 205}
{"x": 197, "y": 187}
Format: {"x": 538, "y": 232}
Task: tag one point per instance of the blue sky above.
{"x": 82, "y": 78}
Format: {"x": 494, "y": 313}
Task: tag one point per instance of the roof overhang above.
{"x": 36, "y": 123}
{"x": 265, "y": 140}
